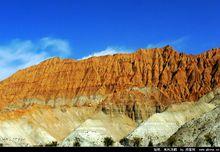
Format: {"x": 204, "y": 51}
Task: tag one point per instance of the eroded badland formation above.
{"x": 147, "y": 97}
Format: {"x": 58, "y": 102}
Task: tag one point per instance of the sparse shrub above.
{"x": 1, "y": 144}
{"x": 104, "y": 110}
{"x": 171, "y": 141}
{"x": 53, "y": 144}
{"x": 108, "y": 141}
{"x": 124, "y": 141}
{"x": 77, "y": 143}
{"x": 208, "y": 139}
{"x": 137, "y": 141}
{"x": 158, "y": 109}
{"x": 150, "y": 144}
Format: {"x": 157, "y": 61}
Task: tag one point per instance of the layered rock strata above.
{"x": 118, "y": 82}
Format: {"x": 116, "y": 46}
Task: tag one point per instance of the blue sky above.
{"x": 34, "y": 30}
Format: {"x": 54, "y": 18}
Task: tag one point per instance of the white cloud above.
{"x": 108, "y": 51}
{"x": 178, "y": 43}
{"x": 56, "y": 45}
{"x": 20, "y": 54}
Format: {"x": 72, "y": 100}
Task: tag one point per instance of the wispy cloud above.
{"x": 108, "y": 51}
{"x": 55, "y": 45}
{"x": 19, "y": 54}
{"x": 179, "y": 43}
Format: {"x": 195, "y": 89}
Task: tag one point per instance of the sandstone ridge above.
{"x": 173, "y": 77}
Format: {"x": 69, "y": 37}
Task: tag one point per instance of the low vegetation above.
{"x": 77, "y": 143}
{"x": 52, "y": 144}
{"x": 208, "y": 139}
{"x": 108, "y": 141}
{"x": 124, "y": 141}
{"x": 171, "y": 141}
{"x": 150, "y": 144}
{"x": 137, "y": 141}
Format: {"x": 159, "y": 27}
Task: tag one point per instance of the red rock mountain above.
{"x": 169, "y": 77}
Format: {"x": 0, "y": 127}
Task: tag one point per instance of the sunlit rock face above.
{"x": 41, "y": 125}
{"x": 135, "y": 86}
{"x": 94, "y": 130}
{"x": 177, "y": 76}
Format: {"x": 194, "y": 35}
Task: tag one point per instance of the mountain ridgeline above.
{"x": 138, "y": 84}
{"x": 149, "y": 97}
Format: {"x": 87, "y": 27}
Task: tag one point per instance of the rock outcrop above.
{"x": 159, "y": 127}
{"x": 57, "y": 96}
{"x": 41, "y": 125}
{"x": 94, "y": 130}
{"x": 201, "y": 132}
{"x": 116, "y": 82}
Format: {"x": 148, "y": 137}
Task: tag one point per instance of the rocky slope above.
{"x": 60, "y": 99}
{"x": 201, "y": 132}
{"x": 94, "y": 131}
{"x": 159, "y": 127}
{"x": 116, "y": 83}
{"x": 41, "y": 125}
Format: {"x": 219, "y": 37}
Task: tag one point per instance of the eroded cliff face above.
{"x": 201, "y": 132}
{"x": 138, "y": 84}
{"x": 180, "y": 125}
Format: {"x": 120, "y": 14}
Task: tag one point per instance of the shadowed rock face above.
{"x": 182, "y": 124}
{"x": 110, "y": 81}
{"x": 201, "y": 132}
